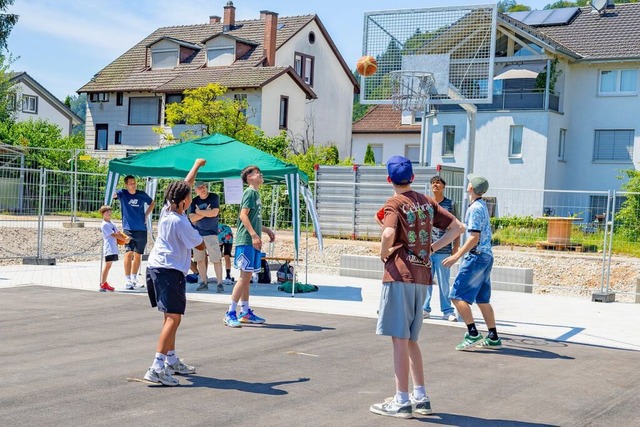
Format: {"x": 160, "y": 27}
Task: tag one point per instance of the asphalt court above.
{"x": 71, "y": 357}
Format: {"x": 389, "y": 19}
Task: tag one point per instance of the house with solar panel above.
{"x": 287, "y": 68}
{"x": 564, "y": 113}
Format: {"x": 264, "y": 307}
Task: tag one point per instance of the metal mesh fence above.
{"x": 597, "y": 238}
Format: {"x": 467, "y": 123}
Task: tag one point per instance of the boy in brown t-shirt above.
{"x": 405, "y": 250}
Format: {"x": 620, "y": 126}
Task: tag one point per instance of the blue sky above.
{"x": 63, "y": 43}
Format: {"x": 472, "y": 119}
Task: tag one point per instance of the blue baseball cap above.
{"x": 400, "y": 170}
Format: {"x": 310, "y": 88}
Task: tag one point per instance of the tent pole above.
{"x": 306, "y": 249}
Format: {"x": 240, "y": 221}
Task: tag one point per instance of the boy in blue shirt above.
{"x": 134, "y": 224}
{"x": 473, "y": 283}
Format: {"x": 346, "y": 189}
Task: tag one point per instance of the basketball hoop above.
{"x": 410, "y": 90}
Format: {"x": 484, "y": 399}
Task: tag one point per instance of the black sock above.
{"x": 472, "y": 329}
{"x": 493, "y": 334}
{"x": 228, "y": 273}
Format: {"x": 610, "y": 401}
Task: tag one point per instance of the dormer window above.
{"x": 168, "y": 52}
{"x": 163, "y": 59}
{"x": 221, "y": 51}
{"x": 220, "y": 56}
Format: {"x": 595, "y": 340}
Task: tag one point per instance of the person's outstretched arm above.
{"x": 191, "y": 176}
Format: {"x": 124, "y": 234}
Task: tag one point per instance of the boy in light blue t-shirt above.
{"x": 473, "y": 283}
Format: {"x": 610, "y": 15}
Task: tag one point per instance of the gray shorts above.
{"x": 401, "y": 310}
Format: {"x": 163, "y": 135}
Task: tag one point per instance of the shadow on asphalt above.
{"x": 229, "y": 384}
{"x": 296, "y": 328}
{"x": 529, "y": 347}
{"x": 464, "y": 420}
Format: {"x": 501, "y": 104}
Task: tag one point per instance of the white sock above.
{"x": 172, "y": 358}
{"x": 244, "y": 306}
{"x": 402, "y": 396}
{"x": 134, "y": 277}
{"x": 419, "y": 392}
{"x": 158, "y": 362}
{"x": 131, "y": 277}
{"x": 233, "y": 306}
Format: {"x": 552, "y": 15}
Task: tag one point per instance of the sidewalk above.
{"x": 564, "y": 319}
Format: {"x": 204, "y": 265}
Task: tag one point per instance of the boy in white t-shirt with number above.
{"x": 167, "y": 267}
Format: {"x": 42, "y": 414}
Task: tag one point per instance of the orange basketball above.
{"x": 367, "y": 65}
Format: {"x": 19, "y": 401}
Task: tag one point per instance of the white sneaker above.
{"x": 426, "y": 314}
{"x": 162, "y": 377}
{"x": 422, "y": 406}
{"x": 451, "y": 317}
{"x": 179, "y": 368}
{"x": 131, "y": 286}
{"x": 391, "y": 408}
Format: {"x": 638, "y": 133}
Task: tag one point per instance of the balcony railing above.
{"x": 520, "y": 99}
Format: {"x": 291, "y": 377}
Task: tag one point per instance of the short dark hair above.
{"x": 437, "y": 178}
{"x": 128, "y": 177}
{"x": 246, "y": 171}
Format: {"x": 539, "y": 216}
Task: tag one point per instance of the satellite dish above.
{"x": 599, "y": 5}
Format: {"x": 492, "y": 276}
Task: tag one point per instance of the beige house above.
{"x": 287, "y": 68}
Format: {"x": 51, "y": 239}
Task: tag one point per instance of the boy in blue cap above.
{"x": 473, "y": 282}
{"x": 405, "y": 250}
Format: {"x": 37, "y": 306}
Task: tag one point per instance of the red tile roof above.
{"x": 383, "y": 119}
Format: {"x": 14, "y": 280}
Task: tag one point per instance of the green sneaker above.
{"x": 469, "y": 342}
{"x": 490, "y": 344}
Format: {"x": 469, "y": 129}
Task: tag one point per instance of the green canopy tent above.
{"x": 226, "y": 157}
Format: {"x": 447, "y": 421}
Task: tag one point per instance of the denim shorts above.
{"x": 401, "y": 310}
{"x": 247, "y": 258}
{"x": 473, "y": 282}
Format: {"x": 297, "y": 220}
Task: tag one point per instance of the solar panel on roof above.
{"x": 536, "y": 18}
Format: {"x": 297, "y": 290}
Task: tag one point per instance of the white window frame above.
{"x": 445, "y": 153}
{"x": 512, "y": 132}
{"x": 618, "y": 76}
{"x": 176, "y": 55}
{"x": 211, "y": 62}
{"x": 12, "y": 102}
{"x": 562, "y": 145}
{"x": 622, "y": 141}
{"x": 241, "y": 97}
{"x": 99, "y": 97}
{"x": 408, "y": 147}
{"x": 30, "y": 104}
{"x": 304, "y": 65}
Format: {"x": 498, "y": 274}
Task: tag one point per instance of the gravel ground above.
{"x": 558, "y": 273}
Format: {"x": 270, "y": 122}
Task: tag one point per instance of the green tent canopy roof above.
{"x": 225, "y": 156}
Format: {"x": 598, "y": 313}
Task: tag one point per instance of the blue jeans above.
{"x": 442, "y": 275}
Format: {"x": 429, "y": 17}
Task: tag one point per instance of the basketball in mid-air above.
{"x": 367, "y": 65}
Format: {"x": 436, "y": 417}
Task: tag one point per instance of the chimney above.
{"x": 270, "y": 29}
{"x": 229, "y": 16}
{"x": 214, "y": 19}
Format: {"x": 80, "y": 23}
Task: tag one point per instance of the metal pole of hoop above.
{"x": 410, "y": 91}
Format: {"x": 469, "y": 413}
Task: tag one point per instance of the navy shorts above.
{"x": 111, "y": 258}
{"x": 166, "y": 288}
{"x": 225, "y": 248}
{"x": 138, "y": 241}
{"x": 473, "y": 282}
{"x": 247, "y": 258}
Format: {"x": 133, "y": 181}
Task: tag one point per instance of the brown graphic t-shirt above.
{"x": 412, "y": 215}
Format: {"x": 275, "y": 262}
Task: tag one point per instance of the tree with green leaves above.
{"x": 208, "y": 108}
{"x": 507, "y": 6}
{"x": 8, "y": 98}
{"x": 369, "y": 156}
